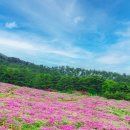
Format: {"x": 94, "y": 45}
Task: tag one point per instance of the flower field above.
{"x": 23, "y": 108}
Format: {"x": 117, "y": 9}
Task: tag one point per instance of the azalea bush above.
{"x": 23, "y": 108}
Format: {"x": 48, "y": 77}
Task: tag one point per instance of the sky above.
{"x": 91, "y": 34}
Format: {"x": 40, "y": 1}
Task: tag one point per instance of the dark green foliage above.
{"x": 65, "y": 83}
{"x": 112, "y": 89}
{"x": 92, "y": 84}
{"x": 107, "y": 84}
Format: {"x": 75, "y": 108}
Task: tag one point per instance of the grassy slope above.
{"x": 23, "y": 108}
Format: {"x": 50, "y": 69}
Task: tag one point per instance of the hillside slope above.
{"x": 12, "y": 60}
{"x": 22, "y": 73}
{"x": 62, "y": 70}
{"x": 23, "y": 108}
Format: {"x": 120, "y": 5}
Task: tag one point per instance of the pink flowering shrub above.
{"x": 51, "y": 90}
{"x": 67, "y": 127}
{"x": 23, "y": 108}
{"x": 84, "y": 92}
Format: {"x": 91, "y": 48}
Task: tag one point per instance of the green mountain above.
{"x": 63, "y": 70}
{"x": 64, "y": 78}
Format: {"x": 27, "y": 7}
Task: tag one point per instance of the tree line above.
{"x": 64, "y": 78}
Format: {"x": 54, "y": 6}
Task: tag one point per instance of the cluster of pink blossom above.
{"x": 35, "y": 109}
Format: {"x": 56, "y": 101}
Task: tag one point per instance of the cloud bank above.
{"x": 80, "y": 34}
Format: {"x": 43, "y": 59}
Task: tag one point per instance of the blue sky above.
{"x": 91, "y": 34}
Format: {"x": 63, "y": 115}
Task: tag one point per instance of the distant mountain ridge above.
{"x": 6, "y": 59}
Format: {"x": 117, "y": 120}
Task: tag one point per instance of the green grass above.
{"x": 1, "y": 94}
{"x": 78, "y": 125}
{"x": 119, "y": 112}
{"x": 34, "y": 126}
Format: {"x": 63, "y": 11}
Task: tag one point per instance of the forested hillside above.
{"x": 64, "y": 78}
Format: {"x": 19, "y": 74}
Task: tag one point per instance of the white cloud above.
{"x": 124, "y": 33}
{"x": 78, "y": 19}
{"x": 66, "y": 54}
{"x": 118, "y": 53}
{"x": 70, "y": 8}
{"x": 15, "y": 44}
{"x": 37, "y": 45}
{"x": 58, "y": 17}
{"x": 112, "y": 59}
{"x": 11, "y": 25}
{"x": 58, "y": 21}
